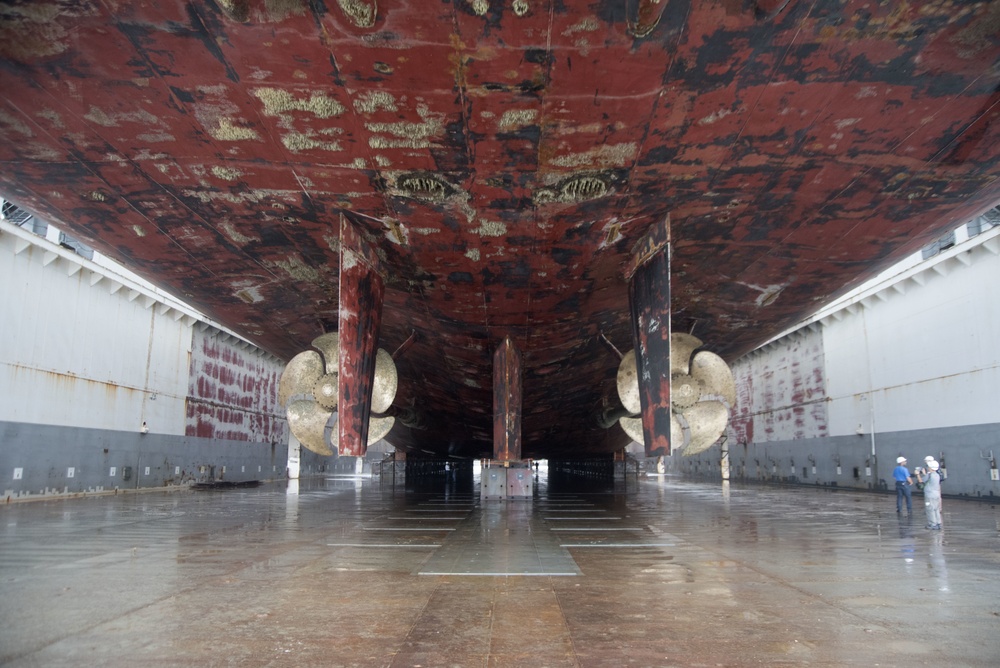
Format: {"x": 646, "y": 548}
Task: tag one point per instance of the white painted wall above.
{"x": 78, "y": 348}
{"x": 918, "y": 349}
{"x": 933, "y": 351}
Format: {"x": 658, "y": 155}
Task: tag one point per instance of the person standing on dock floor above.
{"x": 903, "y": 483}
{"x": 931, "y": 479}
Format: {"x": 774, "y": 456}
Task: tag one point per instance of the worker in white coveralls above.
{"x": 931, "y": 479}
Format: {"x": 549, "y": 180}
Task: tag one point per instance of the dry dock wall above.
{"x": 909, "y": 365}
{"x": 108, "y": 383}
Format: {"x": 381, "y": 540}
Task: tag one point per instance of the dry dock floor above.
{"x": 350, "y": 572}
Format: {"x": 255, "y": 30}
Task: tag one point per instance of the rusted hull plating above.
{"x": 501, "y": 161}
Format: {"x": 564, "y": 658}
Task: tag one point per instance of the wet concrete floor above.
{"x": 353, "y": 573}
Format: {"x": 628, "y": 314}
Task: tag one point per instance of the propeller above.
{"x": 309, "y": 387}
{"x": 628, "y": 392}
{"x": 702, "y": 392}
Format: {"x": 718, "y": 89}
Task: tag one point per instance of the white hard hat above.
{"x": 933, "y": 465}
{"x": 929, "y": 458}
{"x": 900, "y": 460}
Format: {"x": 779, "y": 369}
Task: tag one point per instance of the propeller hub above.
{"x": 684, "y": 390}
{"x": 326, "y": 390}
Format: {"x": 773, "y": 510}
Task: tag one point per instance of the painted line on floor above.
{"x": 408, "y": 529}
{"x": 617, "y": 545}
{"x": 569, "y": 510}
{"x": 380, "y": 545}
{"x": 596, "y": 529}
{"x": 431, "y": 511}
{"x": 501, "y": 574}
{"x": 582, "y": 519}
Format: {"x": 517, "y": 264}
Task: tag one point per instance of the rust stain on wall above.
{"x": 781, "y": 392}
{"x": 233, "y": 393}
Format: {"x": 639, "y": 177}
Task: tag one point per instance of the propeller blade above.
{"x": 379, "y": 428}
{"x": 628, "y": 384}
{"x": 329, "y": 346}
{"x": 384, "y": 389}
{"x": 307, "y": 420}
{"x": 299, "y": 376}
{"x": 633, "y": 427}
{"x": 681, "y": 347}
{"x": 707, "y": 421}
{"x": 676, "y": 434}
{"x": 715, "y": 376}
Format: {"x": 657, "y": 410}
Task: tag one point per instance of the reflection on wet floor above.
{"x": 331, "y": 572}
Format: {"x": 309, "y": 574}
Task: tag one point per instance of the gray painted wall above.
{"x": 964, "y": 450}
{"x": 35, "y": 461}
{"x": 45, "y": 460}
